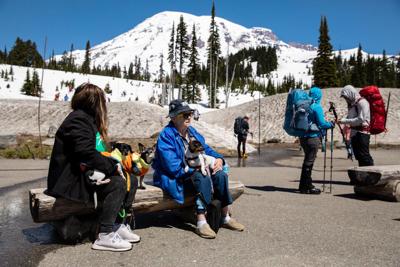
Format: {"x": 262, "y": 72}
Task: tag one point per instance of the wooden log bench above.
{"x": 381, "y": 182}
{"x": 370, "y": 175}
{"x": 45, "y": 208}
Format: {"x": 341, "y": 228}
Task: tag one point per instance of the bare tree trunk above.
{"x": 216, "y": 84}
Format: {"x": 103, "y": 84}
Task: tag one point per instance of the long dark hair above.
{"x": 92, "y": 100}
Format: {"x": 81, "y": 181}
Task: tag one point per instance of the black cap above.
{"x": 177, "y": 107}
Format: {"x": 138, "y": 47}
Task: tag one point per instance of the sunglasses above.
{"x": 186, "y": 115}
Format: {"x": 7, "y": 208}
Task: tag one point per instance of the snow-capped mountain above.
{"x": 150, "y": 38}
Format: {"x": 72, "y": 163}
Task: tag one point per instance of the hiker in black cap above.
{"x": 172, "y": 175}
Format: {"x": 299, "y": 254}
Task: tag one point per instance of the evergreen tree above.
{"x": 5, "y": 55}
{"x": 147, "y": 72}
{"x": 2, "y": 57}
{"x": 214, "y": 50}
{"x": 384, "y": 72}
{"x": 27, "y": 86}
{"x": 371, "y": 71}
{"x": 71, "y": 59}
{"x": 11, "y": 72}
{"x": 125, "y": 73}
{"x": 130, "y": 71}
{"x": 138, "y": 68}
{"x": 36, "y": 89}
{"x": 339, "y": 69}
{"x": 24, "y": 53}
{"x": 63, "y": 64}
{"x": 182, "y": 48}
{"x": 161, "y": 71}
{"x": 358, "y": 75}
{"x": 52, "y": 62}
{"x": 324, "y": 65}
{"x": 171, "y": 50}
{"x": 193, "y": 93}
{"x": 86, "y": 63}
{"x": 398, "y": 72}
{"x": 270, "y": 88}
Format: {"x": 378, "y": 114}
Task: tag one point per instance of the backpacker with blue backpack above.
{"x": 297, "y": 115}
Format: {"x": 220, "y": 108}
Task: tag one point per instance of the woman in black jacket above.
{"x": 78, "y": 143}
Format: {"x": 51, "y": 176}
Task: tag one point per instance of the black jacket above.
{"x": 75, "y": 143}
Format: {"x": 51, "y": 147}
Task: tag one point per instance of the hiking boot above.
{"x": 232, "y": 224}
{"x": 126, "y": 233}
{"x": 111, "y": 242}
{"x": 244, "y": 156}
{"x": 205, "y": 231}
{"x": 310, "y": 190}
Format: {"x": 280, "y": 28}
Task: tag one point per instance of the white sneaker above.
{"x": 111, "y": 242}
{"x": 126, "y": 233}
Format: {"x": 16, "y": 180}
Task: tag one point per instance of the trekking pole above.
{"x": 387, "y": 111}
{"x": 330, "y": 178}
{"x": 325, "y": 138}
{"x": 349, "y": 149}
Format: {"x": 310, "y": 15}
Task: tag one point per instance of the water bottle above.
{"x": 225, "y": 168}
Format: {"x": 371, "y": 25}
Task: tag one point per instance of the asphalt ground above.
{"x": 283, "y": 228}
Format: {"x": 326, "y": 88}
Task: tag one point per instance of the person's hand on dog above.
{"x": 217, "y": 166}
{"x": 120, "y": 170}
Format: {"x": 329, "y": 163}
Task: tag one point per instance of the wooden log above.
{"x": 385, "y": 189}
{"x": 370, "y": 175}
{"x": 46, "y": 208}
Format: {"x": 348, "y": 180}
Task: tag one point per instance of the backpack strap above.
{"x": 360, "y": 128}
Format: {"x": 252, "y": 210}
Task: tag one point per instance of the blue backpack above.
{"x": 297, "y": 114}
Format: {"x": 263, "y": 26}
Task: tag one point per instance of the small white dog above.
{"x": 197, "y": 159}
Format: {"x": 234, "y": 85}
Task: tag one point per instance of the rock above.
{"x": 7, "y": 140}
{"x": 274, "y": 141}
{"x": 48, "y": 142}
{"x": 51, "y": 133}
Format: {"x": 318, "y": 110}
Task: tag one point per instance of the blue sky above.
{"x": 373, "y": 23}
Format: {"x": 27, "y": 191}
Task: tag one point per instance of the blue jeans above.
{"x": 201, "y": 186}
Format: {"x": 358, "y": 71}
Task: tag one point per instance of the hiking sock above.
{"x": 226, "y": 218}
{"x": 200, "y": 223}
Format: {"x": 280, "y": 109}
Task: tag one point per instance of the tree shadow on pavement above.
{"x": 270, "y": 188}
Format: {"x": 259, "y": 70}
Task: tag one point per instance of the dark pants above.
{"x": 360, "y": 144}
{"x": 199, "y": 184}
{"x": 310, "y": 147}
{"x": 114, "y": 197}
{"x": 241, "y": 142}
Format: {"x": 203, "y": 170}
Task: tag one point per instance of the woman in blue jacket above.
{"x": 170, "y": 173}
{"x": 311, "y": 141}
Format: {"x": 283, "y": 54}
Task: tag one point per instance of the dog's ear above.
{"x": 112, "y": 144}
{"x": 141, "y": 147}
{"x": 128, "y": 149}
